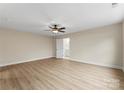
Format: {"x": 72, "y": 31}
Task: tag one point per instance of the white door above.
{"x": 66, "y": 42}
{"x": 59, "y": 48}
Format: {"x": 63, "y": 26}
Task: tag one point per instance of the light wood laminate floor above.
{"x": 60, "y": 74}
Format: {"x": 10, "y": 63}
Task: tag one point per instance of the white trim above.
{"x": 66, "y": 58}
{"x": 26, "y": 61}
{"x": 100, "y": 64}
{"x": 106, "y": 65}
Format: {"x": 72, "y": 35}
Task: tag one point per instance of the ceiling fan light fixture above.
{"x": 55, "y": 31}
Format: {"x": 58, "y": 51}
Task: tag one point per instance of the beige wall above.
{"x": 101, "y": 46}
{"x": 16, "y": 47}
{"x": 123, "y": 42}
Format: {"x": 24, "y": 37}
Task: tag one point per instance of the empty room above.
{"x": 61, "y": 46}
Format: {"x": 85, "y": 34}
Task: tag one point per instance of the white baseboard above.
{"x": 106, "y": 65}
{"x": 25, "y": 61}
{"x": 100, "y": 64}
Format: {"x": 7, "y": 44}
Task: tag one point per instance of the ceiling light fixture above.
{"x": 55, "y": 28}
{"x": 55, "y": 31}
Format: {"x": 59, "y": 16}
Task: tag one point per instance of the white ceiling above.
{"x": 36, "y": 17}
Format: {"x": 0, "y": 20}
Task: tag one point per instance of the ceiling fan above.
{"x": 55, "y": 28}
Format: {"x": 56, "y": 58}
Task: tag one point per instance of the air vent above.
{"x": 114, "y": 5}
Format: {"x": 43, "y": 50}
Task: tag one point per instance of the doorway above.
{"x": 63, "y": 48}
{"x": 66, "y": 44}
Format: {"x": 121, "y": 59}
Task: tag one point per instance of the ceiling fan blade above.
{"x": 62, "y": 31}
{"x": 50, "y": 27}
{"x": 61, "y": 28}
